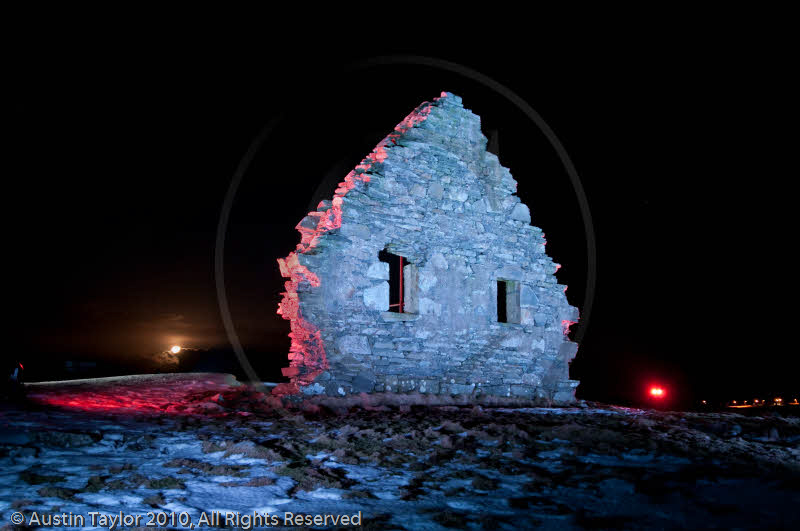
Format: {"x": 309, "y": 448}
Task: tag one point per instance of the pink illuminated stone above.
{"x": 307, "y": 358}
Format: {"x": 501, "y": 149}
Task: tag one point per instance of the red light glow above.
{"x": 657, "y": 392}
{"x": 307, "y": 358}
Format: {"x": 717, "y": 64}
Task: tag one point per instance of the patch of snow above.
{"x": 216, "y": 455}
{"x": 638, "y": 457}
{"x": 455, "y": 483}
{"x": 595, "y": 490}
{"x": 325, "y": 494}
{"x": 558, "y": 453}
{"x": 463, "y": 505}
{"x": 667, "y": 461}
{"x": 241, "y": 459}
{"x": 111, "y": 500}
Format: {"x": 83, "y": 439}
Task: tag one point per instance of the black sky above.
{"x": 120, "y": 156}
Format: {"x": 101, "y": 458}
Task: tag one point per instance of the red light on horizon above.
{"x": 657, "y": 392}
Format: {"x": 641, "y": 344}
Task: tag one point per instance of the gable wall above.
{"x": 434, "y": 195}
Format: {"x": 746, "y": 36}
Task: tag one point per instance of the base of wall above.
{"x": 562, "y": 393}
{"x": 394, "y": 400}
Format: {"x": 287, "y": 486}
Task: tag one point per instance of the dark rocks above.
{"x": 364, "y": 382}
{"x": 65, "y": 439}
{"x": 15, "y": 438}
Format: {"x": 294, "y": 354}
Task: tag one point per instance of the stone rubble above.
{"x": 123, "y": 444}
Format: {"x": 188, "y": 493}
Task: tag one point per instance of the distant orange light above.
{"x": 657, "y": 392}
{"x": 175, "y": 349}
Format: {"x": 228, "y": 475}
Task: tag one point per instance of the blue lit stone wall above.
{"x": 443, "y": 202}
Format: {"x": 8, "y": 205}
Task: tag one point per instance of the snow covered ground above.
{"x": 195, "y": 445}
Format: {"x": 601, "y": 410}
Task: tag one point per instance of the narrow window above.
{"x": 396, "y": 288}
{"x": 502, "y": 316}
{"x": 508, "y": 307}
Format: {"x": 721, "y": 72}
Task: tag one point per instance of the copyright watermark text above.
{"x": 184, "y": 519}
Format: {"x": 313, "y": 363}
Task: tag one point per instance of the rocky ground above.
{"x": 195, "y": 444}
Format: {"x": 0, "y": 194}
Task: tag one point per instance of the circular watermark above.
{"x": 449, "y": 66}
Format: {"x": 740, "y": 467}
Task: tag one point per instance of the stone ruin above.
{"x": 424, "y": 273}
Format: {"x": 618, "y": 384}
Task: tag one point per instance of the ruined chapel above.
{"x": 423, "y": 273}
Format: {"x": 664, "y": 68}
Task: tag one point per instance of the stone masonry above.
{"x": 431, "y": 193}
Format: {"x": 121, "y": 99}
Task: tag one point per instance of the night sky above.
{"x": 121, "y": 154}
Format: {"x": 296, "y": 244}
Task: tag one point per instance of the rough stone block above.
{"x": 364, "y": 382}
{"x": 461, "y": 389}
{"x": 523, "y": 391}
{"x": 383, "y": 345}
{"x": 512, "y": 341}
{"x": 378, "y": 271}
{"x": 332, "y": 388}
{"x": 411, "y": 288}
{"x": 290, "y": 371}
{"x": 458, "y": 194}
{"x": 541, "y": 319}
{"x": 354, "y": 345}
{"x": 377, "y": 297}
{"x": 427, "y": 279}
{"x": 532, "y": 379}
{"x": 526, "y": 316}
{"x": 568, "y": 350}
{"x": 438, "y": 261}
{"x": 509, "y": 272}
{"x": 528, "y": 296}
{"x": 417, "y": 190}
{"x": 521, "y": 212}
{"x": 313, "y": 389}
{"x": 355, "y": 231}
